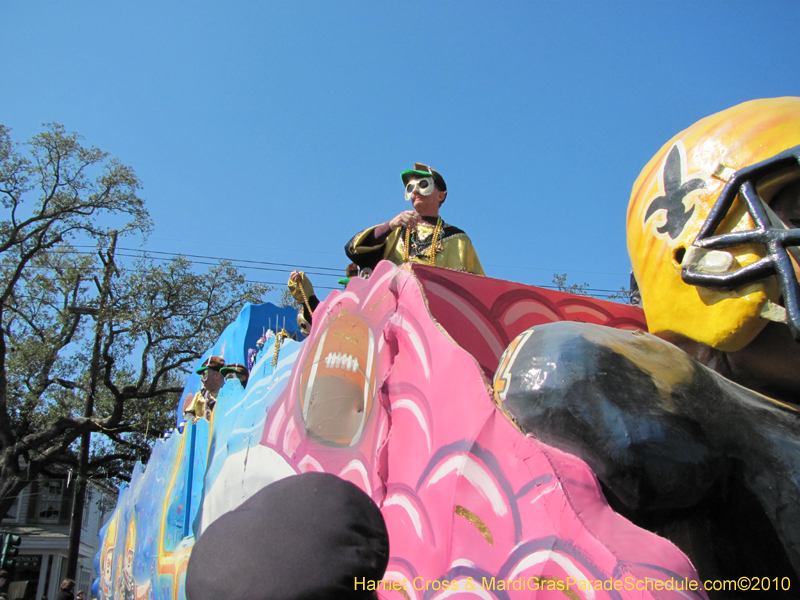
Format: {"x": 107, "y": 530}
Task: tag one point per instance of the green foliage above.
{"x": 288, "y": 300}
{"x": 160, "y": 319}
{"x": 623, "y": 294}
{"x": 560, "y": 282}
{"x": 44, "y": 339}
{"x": 153, "y": 324}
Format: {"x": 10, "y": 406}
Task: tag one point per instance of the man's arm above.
{"x": 298, "y": 281}
{"x": 472, "y": 263}
{"x": 459, "y": 253}
{"x": 369, "y": 247}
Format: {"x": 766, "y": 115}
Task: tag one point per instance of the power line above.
{"x": 238, "y": 260}
{"x": 145, "y": 254}
{"x": 279, "y": 284}
{"x": 338, "y": 270}
{"x": 504, "y": 265}
{"x": 322, "y": 287}
{"x": 596, "y": 292}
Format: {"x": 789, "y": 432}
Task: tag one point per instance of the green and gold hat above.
{"x": 212, "y": 362}
{"x": 235, "y": 368}
{"x": 421, "y": 170}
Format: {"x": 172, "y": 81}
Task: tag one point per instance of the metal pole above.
{"x": 80, "y": 481}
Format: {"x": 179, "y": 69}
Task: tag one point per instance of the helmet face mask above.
{"x": 710, "y": 254}
{"x": 770, "y": 233}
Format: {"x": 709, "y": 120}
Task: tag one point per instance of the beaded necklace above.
{"x": 434, "y": 239}
{"x": 305, "y": 298}
{"x": 282, "y": 334}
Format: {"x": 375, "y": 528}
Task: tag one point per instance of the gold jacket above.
{"x": 454, "y": 249}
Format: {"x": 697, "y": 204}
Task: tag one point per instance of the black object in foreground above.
{"x": 306, "y": 536}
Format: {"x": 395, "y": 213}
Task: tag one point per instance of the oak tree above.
{"x": 81, "y": 329}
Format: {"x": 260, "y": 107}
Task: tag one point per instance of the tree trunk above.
{"x": 80, "y": 481}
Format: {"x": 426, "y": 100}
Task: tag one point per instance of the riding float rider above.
{"x": 202, "y": 403}
{"x": 418, "y": 235}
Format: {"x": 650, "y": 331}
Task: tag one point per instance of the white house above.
{"x": 41, "y": 516}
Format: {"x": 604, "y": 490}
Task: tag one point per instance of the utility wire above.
{"x": 338, "y": 272}
{"x": 241, "y": 260}
{"x": 596, "y": 292}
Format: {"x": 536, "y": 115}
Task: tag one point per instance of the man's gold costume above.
{"x": 452, "y": 250}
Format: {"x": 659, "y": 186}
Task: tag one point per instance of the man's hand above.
{"x": 407, "y": 219}
{"x": 296, "y": 276}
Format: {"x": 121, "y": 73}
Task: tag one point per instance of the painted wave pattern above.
{"x": 484, "y": 314}
{"x": 474, "y": 508}
{"x": 147, "y": 541}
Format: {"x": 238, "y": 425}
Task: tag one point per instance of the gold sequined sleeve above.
{"x": 459, "y": 254}
{"x": 472, "y": 263}
{"x": 294, "y": 288}
{"x": 199, "y": 404}
{"x": 369, "y": 256}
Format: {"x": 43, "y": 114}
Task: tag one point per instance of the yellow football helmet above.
{"x": 710, "y": 226}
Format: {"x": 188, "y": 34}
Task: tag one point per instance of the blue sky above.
{"x": 274, "y": 131}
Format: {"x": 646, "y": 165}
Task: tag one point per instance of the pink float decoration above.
{"x": 385, "y": 396}
{"x": 483, "y": 314}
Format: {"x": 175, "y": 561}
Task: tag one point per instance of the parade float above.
{"x": 529, "y": 443}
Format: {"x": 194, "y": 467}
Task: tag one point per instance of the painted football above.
{"x": 337, "y": 383}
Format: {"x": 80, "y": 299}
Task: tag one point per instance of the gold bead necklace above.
{"x": 434, "y": 239}
{"x": 305, "y": 298}
{"x": 282, "y": 334}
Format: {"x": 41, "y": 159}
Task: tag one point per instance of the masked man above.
{"x": 418, "y": 235}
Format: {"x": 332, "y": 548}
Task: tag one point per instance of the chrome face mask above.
{"x": 769, "y": 232}
{"x": 424, "y": 186}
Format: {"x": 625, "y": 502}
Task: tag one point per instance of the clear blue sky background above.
{"x": 274, "y": 131}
